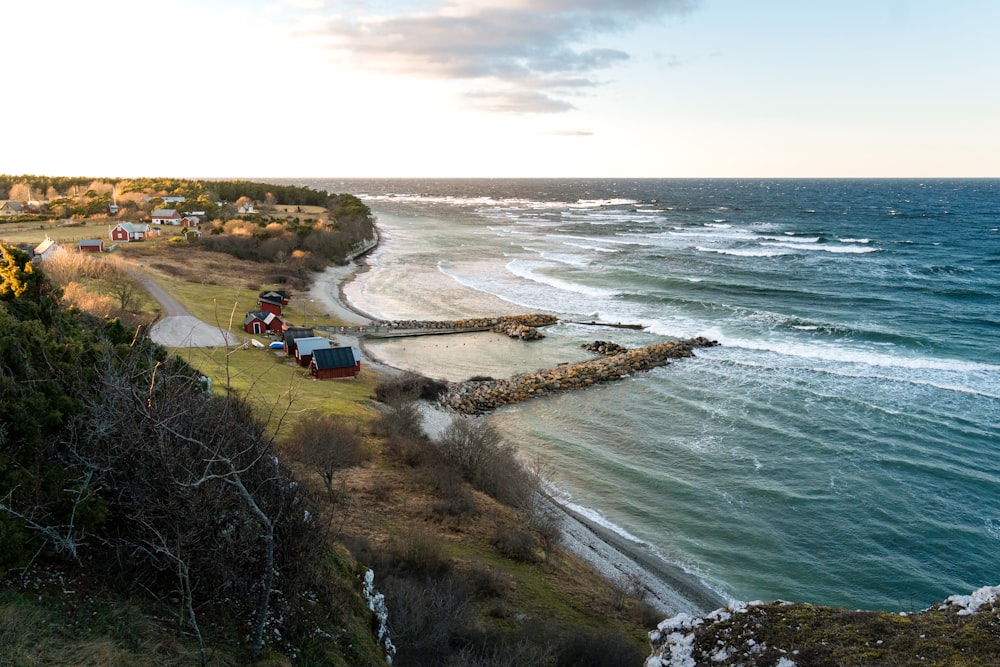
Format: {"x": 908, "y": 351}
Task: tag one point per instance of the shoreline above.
{"x": 620, "y": 560}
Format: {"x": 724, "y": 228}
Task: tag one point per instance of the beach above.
{"x": 616, "y": 557}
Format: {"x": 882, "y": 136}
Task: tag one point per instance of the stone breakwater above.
{"x": 474, "y": 397}
{"x": 522, "y": 327}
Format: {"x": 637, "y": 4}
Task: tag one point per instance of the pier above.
{"x": 522, "y": 327}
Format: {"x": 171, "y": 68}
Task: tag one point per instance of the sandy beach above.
{"x": 618, "y": 558}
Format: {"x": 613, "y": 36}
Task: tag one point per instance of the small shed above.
{"x": 270, "y": 305}
{"x": 279, "y": 295}
{"x": 90, "y": 245}
{"x": 335, "y": 362}
{"x": 291, "y": 334}
{"x": 45, "y": 250}
{"x": 258, "y": 322}
{"x": 304, "y": 348}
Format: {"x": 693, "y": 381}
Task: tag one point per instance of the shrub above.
{"x": 454, "y": 498}
{"x": 488, "y": 463}
{"x": 327, "y": 444}
{"x": 605, "y": 648}
{"x": 424, "y": 615}
{"x": 409, "y": 387}
{"x": 517, "y": 543}
{"x": 414, "y": 552}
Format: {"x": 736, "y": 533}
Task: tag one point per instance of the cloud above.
{"x": 523, "y": 56}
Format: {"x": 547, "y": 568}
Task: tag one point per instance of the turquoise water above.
{"x": 840, "y": 447}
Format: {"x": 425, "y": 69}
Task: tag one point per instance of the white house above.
{"x": 45, "y": 250}
{"x": 10, "y": 207}
{"x": 166, "y": 216}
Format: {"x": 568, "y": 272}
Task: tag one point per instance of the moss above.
{"x": 824, "y": 636}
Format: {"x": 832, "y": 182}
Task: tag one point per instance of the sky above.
{"x": 501, "y": 88}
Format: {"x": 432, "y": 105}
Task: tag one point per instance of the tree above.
{"x": 20, "y": 192}
{"x": 327, "y": 444}
{"x": 122, "y": 286}
{"x": 18, "y": 277}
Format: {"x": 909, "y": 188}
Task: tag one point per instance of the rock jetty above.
{"x": 607, "y": 348}
{"x": 474, "y": 397}
{"x": 522, "y": 327}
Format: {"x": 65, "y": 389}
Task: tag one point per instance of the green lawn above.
{"x": 277, "y": 386}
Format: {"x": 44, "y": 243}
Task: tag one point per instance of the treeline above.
{"x": 117, "y": 467}
{"x": 170, "y": 187}
{"x": 62, "y": 184}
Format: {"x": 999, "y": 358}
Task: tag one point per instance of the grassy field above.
{"x": 276, "y": 384}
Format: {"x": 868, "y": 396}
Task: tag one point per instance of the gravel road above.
{"x": 178, "y": 328}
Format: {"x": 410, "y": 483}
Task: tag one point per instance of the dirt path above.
{"x": 178, "y": 328}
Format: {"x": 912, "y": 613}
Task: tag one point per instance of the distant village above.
{"x": 124, "y": 232}
{"x": 318, "y": 354}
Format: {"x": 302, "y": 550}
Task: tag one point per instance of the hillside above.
{"x": 145, "y": 521}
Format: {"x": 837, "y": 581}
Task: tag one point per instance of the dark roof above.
{"x": 274, "y": 300}
{"x": 254, "y": 315}
{"x": 334, "y": 357}
{"x": 298, "y": 332}
{"x": 274, "y": 294}
{"x": 91, "y": 242}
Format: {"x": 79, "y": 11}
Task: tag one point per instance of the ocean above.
{"x": 840, "y": 447}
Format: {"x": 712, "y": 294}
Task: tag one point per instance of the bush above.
{"x": 424, "y": 615}
{"x": 454, "y": 498}
{"x": 517, "y": 543}
{"x": 409, "y": 387}
{"x": 605, "y": 648}
{"x": 477, "y": 449}
{"x": 327, "y": 444}
{"x": 414, "y": 552}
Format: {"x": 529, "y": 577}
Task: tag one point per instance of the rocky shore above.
{"x": 474, "y": 397}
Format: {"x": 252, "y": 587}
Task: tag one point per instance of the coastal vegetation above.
{"x": 134, "y": 581}
{"x": 144, "y": 520}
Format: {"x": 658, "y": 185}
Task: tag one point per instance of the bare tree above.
{"x": 328, "y": 444}
{"x": 198, "y": 489}
{"x": 124, "y": 288}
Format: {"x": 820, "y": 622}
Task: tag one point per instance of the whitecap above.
{"x": 822, "y": 247}
{"x": 743, "y": 252}
{"x": 793, "y": 239}
{"x": 530, "y": 271}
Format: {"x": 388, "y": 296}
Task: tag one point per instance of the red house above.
{"x": 306, "y": 346}
{"x": 335, "y": 362}
{"x": 90, "y": 245}
{"x": 279, "y": 295}
{"x": 272, "y": 301}
{"x": 257, "y": 322}
{"x": 130, "y": 231}
{"x": 290, "y": 336}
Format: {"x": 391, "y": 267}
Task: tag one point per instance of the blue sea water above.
{"x": 841, "y": 446}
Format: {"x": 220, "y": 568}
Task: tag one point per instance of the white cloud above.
{"x": 532, "y": 54}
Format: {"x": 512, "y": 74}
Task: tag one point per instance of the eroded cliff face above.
{"x": 964, "y": 629}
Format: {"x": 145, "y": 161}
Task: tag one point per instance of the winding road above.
{"x": 178, "y": 327}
